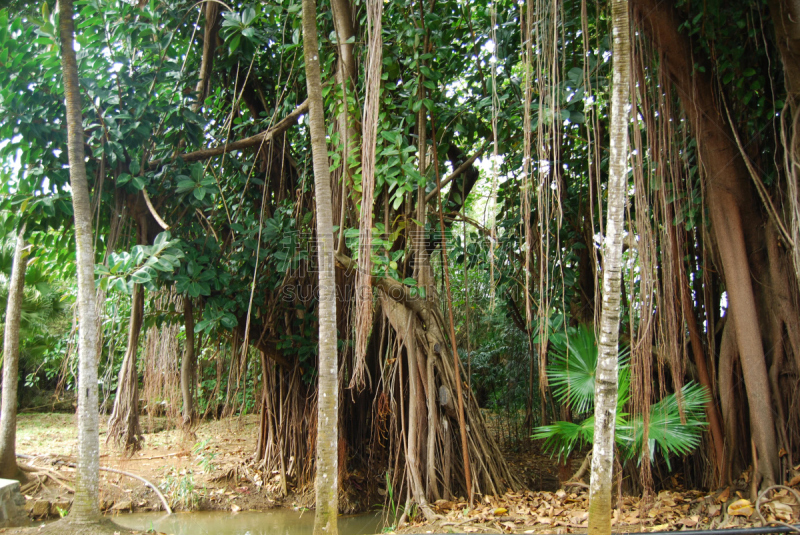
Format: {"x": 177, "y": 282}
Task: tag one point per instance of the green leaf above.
{"x": 185, "y": 185}
{"x": 234, "y": 44}
{"x": 141, "y": 276}
{"x": 389, "y": 136}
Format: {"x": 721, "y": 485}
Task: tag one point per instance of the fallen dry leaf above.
{"x": 741, "y": 507}
{"x": 500, "y": 511}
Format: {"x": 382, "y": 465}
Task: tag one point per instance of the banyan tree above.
{"x": 467, "y": 148}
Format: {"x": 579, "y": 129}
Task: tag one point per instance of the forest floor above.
{"x": 212, "y": 472}
{"x": 564, "y": 512}
{"x": 206, "y": 472}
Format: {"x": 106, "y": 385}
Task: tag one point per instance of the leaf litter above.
{"x": 566, "y": 511}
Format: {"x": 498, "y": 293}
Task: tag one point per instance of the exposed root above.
{"x": 763, "y": 495}
{"x": 45, "y": 472}
{"x": 49, "y": 473}
{"x": 577, "y": 477}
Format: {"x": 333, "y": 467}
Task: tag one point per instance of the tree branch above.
{"x": 461, "y": 169}
{"x": 262, "y": 137}
{"x": 393, "y": 289}
{"x": 153, "y": 212}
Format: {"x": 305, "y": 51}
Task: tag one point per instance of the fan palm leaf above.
{"x": 572, "y": 367}
{"x": 675, "y": 422}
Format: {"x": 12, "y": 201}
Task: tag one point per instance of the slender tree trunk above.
{"x": 712, "y": 414}
{"x": 605, "y": 393}
{"x": 346, "y": 73}
{"x": 8, "y": 414}
{"x": 327, "y": 485}
{"x": 85, "y": 506}
{"x": 209, "y": 49}
{"x": 188, "y": 366}
{"x": 123, "y": 425}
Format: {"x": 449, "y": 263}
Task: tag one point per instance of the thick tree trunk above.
{"x": 8, "y": 413}
{"x": 730, "y": 202}
{"x": 605, "y": 392}
{"x": 419, "y": 323}
{"x": 123, "y": 425}
{"x": 85, "y": 506}
{"x": 188, "y": 366}
{"x": 327, "y": 484}
{"x": 786, "y": 17}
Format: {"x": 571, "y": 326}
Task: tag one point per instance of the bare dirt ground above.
{"x": 209, "y": 472}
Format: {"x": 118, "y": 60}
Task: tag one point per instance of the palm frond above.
{"x": 666, "y": 430}
{"x": 562, "y": 438}
{"x": 572, "y": 367}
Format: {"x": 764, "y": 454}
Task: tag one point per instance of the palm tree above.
{"x": 85, "y": 507}
{"x": 571, "y": 374}
{"x": 327, "y": 485}
{"x": 8, "y": 413}
{"x": 605, "y": 393}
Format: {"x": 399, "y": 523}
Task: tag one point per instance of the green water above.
{"x": 274, "y": 522}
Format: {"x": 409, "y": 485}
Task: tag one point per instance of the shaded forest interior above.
{"x": 468, "y": 151}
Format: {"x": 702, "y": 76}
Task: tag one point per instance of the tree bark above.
{"x": 730, "y": 202}
{"x": 123, "y": 425}
{"x": 85, "y": 507}
{"x": 785, "y": 14}
{"x": 786, "y": 17}
{"x": 327, "y": 484}
{"x": 209, "y": 49}
{"x": 188, "y": 366}
{"x": 712, "y": 413}
{"x": 259, "y": 139}
{"x": 346, "y": 73}
{"x": 8, "y": 413}
{"x": 605, "y": 393}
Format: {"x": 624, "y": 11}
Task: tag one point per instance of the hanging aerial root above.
{"x": 363, "y": 323}
{"x": 414, "y": 428}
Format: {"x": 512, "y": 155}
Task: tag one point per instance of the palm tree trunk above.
{"x": 605, "y": 393}
{"x": 85, "y": 507}
{"x": 8, "y": 413}
{"x": 327, "y": 486}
